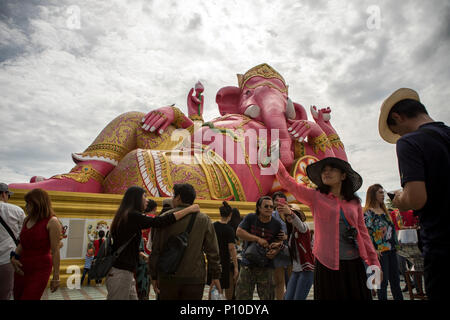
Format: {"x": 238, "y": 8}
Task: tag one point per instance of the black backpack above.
{"x": 173, "y": 251}
{"x": 105, "y": 258}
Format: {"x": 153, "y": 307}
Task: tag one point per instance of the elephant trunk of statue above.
{"x": 268, "y": 105}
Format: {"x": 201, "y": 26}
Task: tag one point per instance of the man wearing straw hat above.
{"x": 423, "y": 152}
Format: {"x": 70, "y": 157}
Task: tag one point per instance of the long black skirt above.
{"x": 347, "y": 283}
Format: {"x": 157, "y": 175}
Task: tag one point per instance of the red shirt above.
{"x": 146, "y": 234}
{"x": 97, "y": 245}
{"x": 404, "y": 219}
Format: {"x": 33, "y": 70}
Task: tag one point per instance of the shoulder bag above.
{"x": 9, "y": 231}
{"x": 106, "y": 258}
{"x": 173, "y": 251}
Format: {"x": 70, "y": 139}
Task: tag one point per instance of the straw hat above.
{"x": 314, "y": 171}
{"x": 397, "y": 96}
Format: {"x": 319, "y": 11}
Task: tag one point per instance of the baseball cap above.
{"x": 4, "y": 188}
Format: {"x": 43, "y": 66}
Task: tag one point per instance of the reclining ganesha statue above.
{"x": 232, "y": 157}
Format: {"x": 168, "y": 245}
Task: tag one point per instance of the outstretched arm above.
{"x": 299, "y": 191}
{"x": 165, "y": 220}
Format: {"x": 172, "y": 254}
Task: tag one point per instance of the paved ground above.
{"x": 99, "y": 293}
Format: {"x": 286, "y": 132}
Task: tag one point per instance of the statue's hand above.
{"x": 158, "y": 120}
{"x": 321, "y": 115}
{"x": 195, "y": 101}
{"x": 300, "y": 129}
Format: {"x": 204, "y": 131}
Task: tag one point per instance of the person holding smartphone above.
{"x": 342, "y": 242}
{"x": 282, "y": 261}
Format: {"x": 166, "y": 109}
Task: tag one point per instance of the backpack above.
{"x": 173, "y": 251}
{"x": 105, "y": 258}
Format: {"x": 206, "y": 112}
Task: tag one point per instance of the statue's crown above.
{"x": 263, "y": 70}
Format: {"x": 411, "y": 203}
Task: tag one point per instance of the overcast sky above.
{"x": 69, "y": 67}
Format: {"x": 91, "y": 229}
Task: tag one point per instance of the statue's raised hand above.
{"x": 321, "y": 115}
{"x": 300, "y": 129}
{"x": 158, "y": 120}
{"x": 195, "y": 101}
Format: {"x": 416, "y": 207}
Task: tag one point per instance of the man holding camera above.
{"x": 260, "y": 232}
{"x": 423, "y": 152}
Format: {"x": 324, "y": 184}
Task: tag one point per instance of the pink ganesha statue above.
{"x": 232, "y": 157}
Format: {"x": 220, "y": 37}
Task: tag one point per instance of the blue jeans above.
{"x": 389, "y": 266}
{"x": 85, "y": 271}
{"x": 299, "y": 285}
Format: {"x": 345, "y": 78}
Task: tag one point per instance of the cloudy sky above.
{"x": 69, "y": 67}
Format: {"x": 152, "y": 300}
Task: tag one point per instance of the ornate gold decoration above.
{"x": 82, "y": 174}
{"x": 263, "y": 70}
{"x": 234, "y": 184}
{"x": 107, "y": 150}
{"x": 299, "y": 170}
{"x": 196, "y": 117}
{"x": 320, "y": 143}
{"x": 299, "y": 149}
{"x": 268, "y": 84}
{"x": 335, "y": 141}
{"x": 179, "y": 117}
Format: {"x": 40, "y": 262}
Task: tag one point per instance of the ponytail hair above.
{"x": 225, "y": 210}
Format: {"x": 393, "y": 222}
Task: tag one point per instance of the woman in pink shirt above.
{"x": 342, "y": 243}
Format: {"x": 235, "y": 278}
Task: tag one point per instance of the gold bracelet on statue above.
{"x": 321, "y": 143}
{"x": 178, "y": 117}
{"x": 335, "y": 141}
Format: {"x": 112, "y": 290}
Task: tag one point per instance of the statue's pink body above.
{"x": 261, "y": 107}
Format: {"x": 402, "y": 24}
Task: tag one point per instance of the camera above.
{"x": 391, "y": 195}
{"x": 350, "y": 234}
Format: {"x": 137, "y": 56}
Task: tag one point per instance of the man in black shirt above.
{"x": 423, "y": 152}
{"x": 259, "y": 227}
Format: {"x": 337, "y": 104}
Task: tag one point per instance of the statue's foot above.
{"x": 60, "y": 184}
{"x": 82, "y": 178}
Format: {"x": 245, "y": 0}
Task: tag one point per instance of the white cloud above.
{"x": 62, "y": 84}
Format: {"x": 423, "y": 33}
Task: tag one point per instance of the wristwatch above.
{"x": 15, "y": 255}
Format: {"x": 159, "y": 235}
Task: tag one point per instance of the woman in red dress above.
{"x": 38, "y": 250}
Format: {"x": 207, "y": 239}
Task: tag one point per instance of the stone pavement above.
{"x": 99, "y": 293}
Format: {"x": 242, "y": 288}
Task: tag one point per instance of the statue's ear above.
{"x": 300, "y": 112}
{"x": 227, "y": 99}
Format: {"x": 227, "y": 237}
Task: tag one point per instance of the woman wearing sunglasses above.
{"x": 342, "y": 243}
{"x": 262, "y": 230}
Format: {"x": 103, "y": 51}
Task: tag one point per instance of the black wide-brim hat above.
{"x": 314, "y": 172}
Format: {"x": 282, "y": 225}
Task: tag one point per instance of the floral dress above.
{"x": 381, "y": 230}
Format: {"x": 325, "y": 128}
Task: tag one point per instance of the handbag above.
{"x": 8, "y": 229}
{"x": 256, "y": 255}
{"x": 173, "y": 251}
{"x": 106, "y": 258}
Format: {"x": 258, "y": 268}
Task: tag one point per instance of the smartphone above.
{"x": 281, "y": 200}
{"x": 391, "y": 195}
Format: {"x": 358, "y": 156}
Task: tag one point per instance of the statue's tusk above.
{"x": 253, "y": 111}
{"x": 290, "y": 110}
